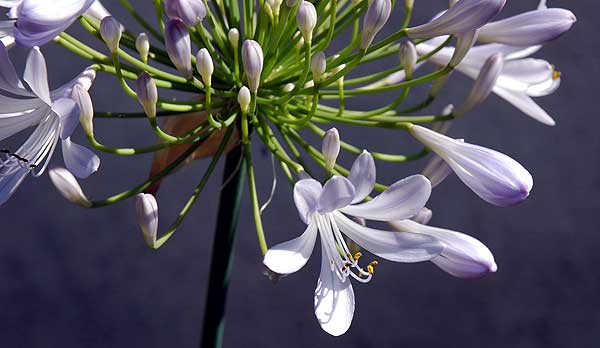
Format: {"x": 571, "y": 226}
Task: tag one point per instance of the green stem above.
{"x": 222, "y": 252}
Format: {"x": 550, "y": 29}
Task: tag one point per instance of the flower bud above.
{"x": 493, "y": 176}
{"x": 377, "y": 15}
{"x": 146, "y": 209}
{"x": 205, "y": 66}
{"x": 530, "y": 28}
{"x": 485, "y": 82}
{"x": 463, "y": 255}
{"x": 464, "y": 16}
{"x": 234, "y": 38}
{"x": 306, "y": 18}
{"x": 147, "y": 94}
{"x": 179, "y": 47}
{"x": 191, "y": 12}
{"x": 275, "y": 6}
{"x": 252, "y": 58}
{"x": 408, "y": 58}
{"x": 288, "y": 87}
{"x": 86, "y": 108}
{"x": 464, "y": 43}
{"x": 409, "y": 4}
{"x": 111, "y": 32}
{"x": 423, "y": 216}
{"x": 331, "y": 148}
{"x": 318, "y": 65}
{"x": 244, "y": 98}
{"x": 68, "y": 187}
{"x": 142, "y": 45}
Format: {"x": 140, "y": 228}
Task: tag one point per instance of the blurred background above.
{"x": 85, "y": 278}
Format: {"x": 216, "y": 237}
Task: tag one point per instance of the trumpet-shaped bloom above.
{"x": 521, "y": 78}
{"x": 463, "y": 257}
{"x": 40, "y": 21}
{"x": 493, "y": 176}
{"x": 531, "y": 28}
{"x": 324, "y": 210}
{"x": 461, "y": 17}
{"x": 54, "y": 114}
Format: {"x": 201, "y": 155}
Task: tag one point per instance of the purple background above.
{"x": 84, "y": 278}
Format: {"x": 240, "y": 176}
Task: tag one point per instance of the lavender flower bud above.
{"x": 464, "y": 43}
{"x": 252, "y": 58}
{"x": 147, "y": 94}
{"x": 463, "y": 255}
{"x": 530, "y": 28}
{"x": 484, "y": 84}
{"x": 142, "y": 45}
{"x": 331, "y": 148}
{"x": 191, "y": 12}
{"x": 86, "y": 109}
{"x": 234, "y": 38}
{"x": 377, "y": 15}
{"x": 493, "y": 176}
{"x": 464, "y": 16}
{"x": 244, "y": 98}
{"x": 306, "y": 18}
{"x": 111, "y": 32}
{"x": 205, "y": 66}
{"x": 318, "y": 65}
{"x": 146, "y": 209}
{"x": 408, "y": 58}
{"x": 68, "y": 187}
{"x": 179, "y": 47}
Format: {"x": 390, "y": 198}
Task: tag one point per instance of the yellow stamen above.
{"x": 556, "y": 75}
{"x": 357, "y": 255}
{"x": 371, "y": 267}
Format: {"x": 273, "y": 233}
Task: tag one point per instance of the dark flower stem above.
{"x": 222, "y": 251}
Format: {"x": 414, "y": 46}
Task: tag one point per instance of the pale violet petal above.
{"x": 464, "y": 256}
{"x": 362, "y": 176}
{"x": 79, "y": 160}
{"x": 401, "y": 200}
{"x": 291, "y": 256}
{"x": 9, "y": 80}
{"x": 306, "y": 197}
{"x": 36, "y": 75}
{"x": 393, "y": 246}
{"x": 334, "y": 300}
{"x": 68, "y": 112}
{"x": 10, "y": 183}
{"x": 337, "y": 193}
{"x": 524, "y": 103}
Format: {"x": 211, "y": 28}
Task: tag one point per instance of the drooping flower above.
{"x": 493, "y": 176}
{"x": 324, "y": 210}
{"x": 54, "y": 114}
{"x": 521, "y": 78}
{"x": 463, "y": 255}
{"x": 462, "y": 17}
{"x": 68, "y": 187}
{"x": 38, "y": 22}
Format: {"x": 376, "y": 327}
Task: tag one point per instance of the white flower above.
{"x": 520, "y": 80}
{"x": 68, "y": 187}
{"x": 324, "y": 210}
{"x": 40, "y": 21}
{"x": 54, "y": 114}
{"x": 493, "y": 176}
{"x": 463, "y": 257}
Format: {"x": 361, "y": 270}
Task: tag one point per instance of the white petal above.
{"x": 337, "y": 193}
{"x": 464, "y": 256}
{"x": 306, "y": 197}
{"x": 393, "y": 246}
{"x": 68, "y": 111}
{"x": 10, "y": 183}
{"x": 11, "y": 124}
{"x": 291, "y": 256}
{"x": 80, "y": 161}
{"x": 9, "y": 80}
{"x": 524, "y": 103}
{"x": 334, "y": 300}
{"x": 36, "y": 75}
{"x": 400, "y": 201}
{"x": 362, "y": 176}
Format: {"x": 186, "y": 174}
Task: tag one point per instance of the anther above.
{"x": 357, "y": 255}
{"x": 556, "y": 75}
{"x": 371, "y": 267}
